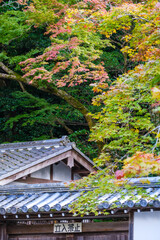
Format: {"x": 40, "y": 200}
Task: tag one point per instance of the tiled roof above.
{"x": 15, "y": 157}
{"x": 51, "y": 197}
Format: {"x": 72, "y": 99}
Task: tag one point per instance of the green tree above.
{"x": 128, "y": 123}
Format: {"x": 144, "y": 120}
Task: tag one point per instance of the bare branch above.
{"x": 156, "y": 140}
{"x": 22, "y": 87}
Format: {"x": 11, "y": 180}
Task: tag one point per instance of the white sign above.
{"x": 67, "y": 227}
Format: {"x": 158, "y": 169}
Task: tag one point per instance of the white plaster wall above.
{"x": 146, "y": 226}
{"x": 61, "y": 172}
{"x": 43, "y": 173}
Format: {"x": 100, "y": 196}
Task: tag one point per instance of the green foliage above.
{"x": 126, "y": 115}
{"x": 97, "y": 185}
{"x": 9, "y": 5}
{"x": 12, "y": 26}
{"x": 11, "y": 112}
{"x": 113, "y": 62}
{"x": 81, "y": 139}
{"x": 26, "y": 46}
{"x": 34, "y": 116}
{"x": 41, "y": 111}
{"x": 14, "y": 61}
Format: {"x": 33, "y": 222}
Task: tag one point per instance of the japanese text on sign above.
{"x": 67, "y": 227}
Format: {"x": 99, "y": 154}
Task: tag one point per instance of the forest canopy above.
{"x": 85, "y": 67}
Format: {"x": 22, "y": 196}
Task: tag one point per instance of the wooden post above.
{"x": 51, "y": 172}
{"x": 70, "y": 161}
{"x": 3, "y": 232}
{"x": 131, "y": 218}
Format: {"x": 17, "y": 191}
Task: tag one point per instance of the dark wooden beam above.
{"x": 130, "y": 235}
{"x": 77, "y": 165}
{"x": 51, "y": 172}
{"x": 72, "y": 174}
{"x": 59, "y": 217}
{"x": 83, "y": 161}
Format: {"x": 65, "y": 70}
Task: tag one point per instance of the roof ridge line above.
{"x": 64, "y": 140}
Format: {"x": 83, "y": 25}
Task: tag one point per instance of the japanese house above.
{"x": 35, "y": 203}
{"x": 45, "y": 161}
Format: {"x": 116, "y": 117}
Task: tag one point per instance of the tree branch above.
{"x": 51, "y": 89}
{"x": 61, "y": 122}
{"x": 7, "y": 76}
{"x": 22, "y": 87}
{"x": 6, "y": 69}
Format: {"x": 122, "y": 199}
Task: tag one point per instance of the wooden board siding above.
{"x": 102, "y": 236}
{"x": 91, "y": 231}
{"x": 3, "y": 232}
{"x": 87, "y": 236}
